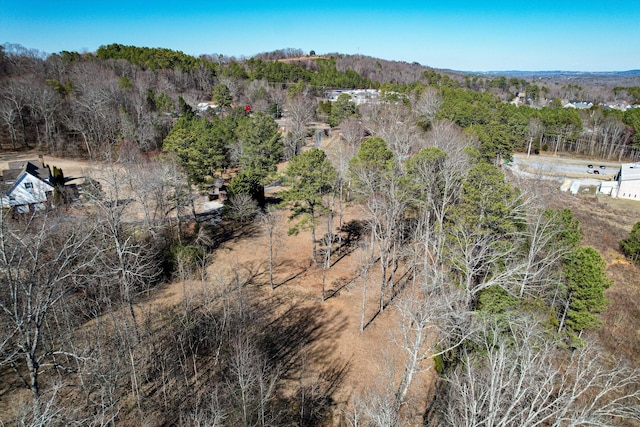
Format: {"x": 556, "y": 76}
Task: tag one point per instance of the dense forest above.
{"x": 482, "y": 286}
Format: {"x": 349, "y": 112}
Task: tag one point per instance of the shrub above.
{"x": 631, "y": 245}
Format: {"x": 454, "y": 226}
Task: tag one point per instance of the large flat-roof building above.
{"x": 628, "y": 180}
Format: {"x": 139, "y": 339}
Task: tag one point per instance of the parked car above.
{"x": 602, "y": 167}
{"x": 590, "y": 166}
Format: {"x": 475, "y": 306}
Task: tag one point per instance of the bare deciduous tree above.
{"x": 43, "y": 260}
{"x": 519, "y": 378}
{"x": 15, "y": 95}
{"x": 300, "y": 111}
{"x": 242, "y": 208}
{"x": 384, "y": 207}
{"x": 352, "y": 131}
{"x": 8, "y": 115}
{"x": 535, "y": 129}
{"x": 392, "y": 122}
{"x": 44, "y": 103}
{"x": 434, "y": 317}
{"x": 132, "y": 264}
{"x": 270, "y": 222}
{"x": 258, "y": 95}
{"x": 477, "y": 257}
{"x": 254, "y": 383}
{"x": 543, "y": 250}
{"x": 425, "y": 106}
{"x": 340, "y": 155}
{"x": 613, "y": 132}
{"x": 93, "y": 108}
{"x": 365, "y": 261}
{"x": 434, "y": 321}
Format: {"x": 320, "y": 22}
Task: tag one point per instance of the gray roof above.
{"x": 34, "y": 167}
{"x": 11, "y": 174}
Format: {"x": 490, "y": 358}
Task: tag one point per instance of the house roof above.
{"x": 630, "y": 171}
{"x": 33, "y": 167}
{"x": 11, "y": 174}
{"x": 582, "y": 105}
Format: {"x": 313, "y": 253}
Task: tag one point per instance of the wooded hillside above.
{"x": 84, "y": 104}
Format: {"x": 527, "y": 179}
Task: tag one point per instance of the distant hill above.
{"x": 629, "y": 78}
{"x": 557, "y": 73}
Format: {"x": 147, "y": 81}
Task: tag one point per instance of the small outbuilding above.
{"x": 218, "y": 190}
{"x": 608, "y": 187}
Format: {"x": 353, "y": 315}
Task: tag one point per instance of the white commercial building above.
{"x": 628, "y": 182}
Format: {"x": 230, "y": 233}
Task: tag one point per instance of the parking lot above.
{"x": 589, "y": 172}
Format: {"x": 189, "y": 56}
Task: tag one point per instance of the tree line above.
{"x": 82, "y": 104}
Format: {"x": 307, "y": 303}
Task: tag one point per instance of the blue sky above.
{"x": 575, "y": 35}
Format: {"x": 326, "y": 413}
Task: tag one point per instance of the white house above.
{"x": 207, "y": 105}
{"x": 358, "y": 96}
{"x": 580, "y": 105}
{"x": 27, "y": 185}
{"x": 628, "y": 180}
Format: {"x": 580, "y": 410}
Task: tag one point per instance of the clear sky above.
{"x": 532, "y": 35}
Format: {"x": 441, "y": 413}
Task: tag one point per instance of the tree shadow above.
{"x": 11, "y": 380}
{"x": 315, "y": 398}
{"x": 402, "y": 283}
{"x": 337, "y": 286}
{"x": 194, "y": 352}
{"x": 370, "y": 321}
{"x": 248, "y": 272}
{"x": 229, "y": 231}
{"x": 301, "y": 341}
{"x": 291, "y": 266}
{"x": 273, "y": 199}
{"x": 292, "y": 332}
{"x": 353, "y": 231}
{"x": 342, "y": 244}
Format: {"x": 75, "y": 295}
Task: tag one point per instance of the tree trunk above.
{"x": 271, "y": 285}
{"x": 340, "y": 214}
{"x": 410, "y": 369}
{"x": 364, "y": 300}
{"x": 564, "y": 314}
{"x": 313, "y": 236}
{"x": 34, "y": 371}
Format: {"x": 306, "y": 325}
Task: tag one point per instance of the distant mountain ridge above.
{"x": 560, "y": 73}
